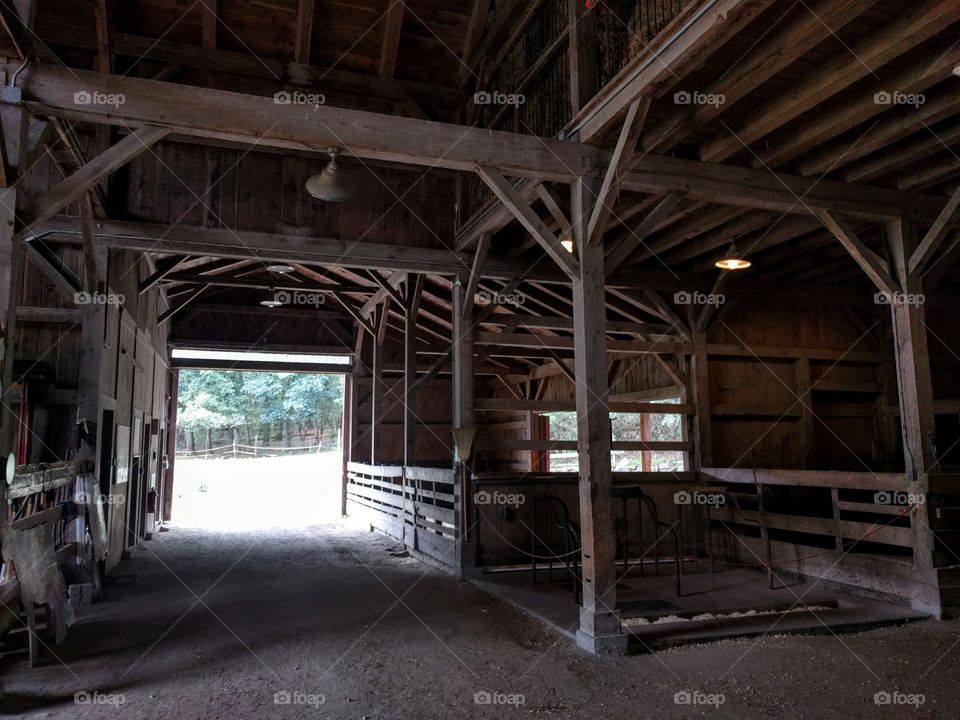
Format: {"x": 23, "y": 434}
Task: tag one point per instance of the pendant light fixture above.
{"x": 733, "y": 260}
{"x": 330, "y": 185}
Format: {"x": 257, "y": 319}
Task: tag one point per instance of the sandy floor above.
{"x": 232, "y": 624}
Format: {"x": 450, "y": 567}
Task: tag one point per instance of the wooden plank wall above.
{"x": 433, "y": 410}
{"x": 264, "y": 192}
{"x": 757, "y": 354}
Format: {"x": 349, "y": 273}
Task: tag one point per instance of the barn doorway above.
{"x": 259, "y": 441}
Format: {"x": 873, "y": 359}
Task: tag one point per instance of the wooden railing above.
{"x": 415, "y": 505}
{"x": 855, "y": 530}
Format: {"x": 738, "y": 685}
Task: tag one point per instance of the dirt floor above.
{"x": 322, "y": 621}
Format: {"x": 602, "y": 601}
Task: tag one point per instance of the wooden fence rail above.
{"x": 415, "y": 505}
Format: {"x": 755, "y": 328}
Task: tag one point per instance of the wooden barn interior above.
{"x": 738, "y": 214}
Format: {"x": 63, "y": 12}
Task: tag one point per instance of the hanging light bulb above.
{"x": 330, "y": 185}
{"x": 733, "y": 260}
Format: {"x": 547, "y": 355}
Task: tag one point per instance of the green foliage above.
{"x": 221, "y": 400}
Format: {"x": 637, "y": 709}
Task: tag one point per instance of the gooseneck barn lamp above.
{"x": 330, "y": 185}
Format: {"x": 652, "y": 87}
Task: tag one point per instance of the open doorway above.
{"x": 257, "y": 449}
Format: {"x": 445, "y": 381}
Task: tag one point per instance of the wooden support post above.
{"x": 463, "y": 418}
{"x": 380, "y": 315}
{"x": 411, "y": 310}
{"x": 94, "y": 318}
{"x": 171, "y": 449}
{"x": 646, "y": 459}
{"x": 600, "y": 630}
{"x": 916, "y": 406}
{"x": 14, "y": 123}
{"x": 347, "y": 435}
{"x": 700, "y": 379}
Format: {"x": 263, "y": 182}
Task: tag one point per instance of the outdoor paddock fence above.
{"x": 237, "y": 450}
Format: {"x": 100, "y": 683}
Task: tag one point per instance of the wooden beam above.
{"x": 263, "y": 283}
{"x": 365, "y": 323}
{"x": 164, "y": 268}
{"x": 550, "y": 342}
{"x": 876, "y": 268}
{"x": 392, "y": 24}
{"x": 684, "y": 44}
{"x": 907, "y": 30}
{"x": 382, "y": 294}
{"x": 551, "y": 202}
{"x": 942, "y": 265}
{"x": 936, "y": 235}
{"x": 265, "y": 69}
{"x": 581, "y": 53}
{"x": 600, "y": 629}
{"x": 301, "y": 51}
{"x": 54, "y": 269}
{"x": 84, "y": 179}
{"x": 17, "y": 19}
{"x": 807, "y": 27}
{"x": 475, "y": 28}
{"x": 858, "y": 108}
{"x": 622, "y": 155}
{"x": 916, "y": 408}
{"x": 775, "y": 191}
{"x": 104, "y": 22}
{"x": 479, "y": 256}
{"x": 66, "y": 316}
{"x": 548, "y": 406}
{"x": 166, "y": 315}
{"x": 626, "y": 247}
{"x": 529, "y": 219}
{"x": 88, "y": 234}
{"x": 219, "y": 115}
{"x": 209, "y": 25}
